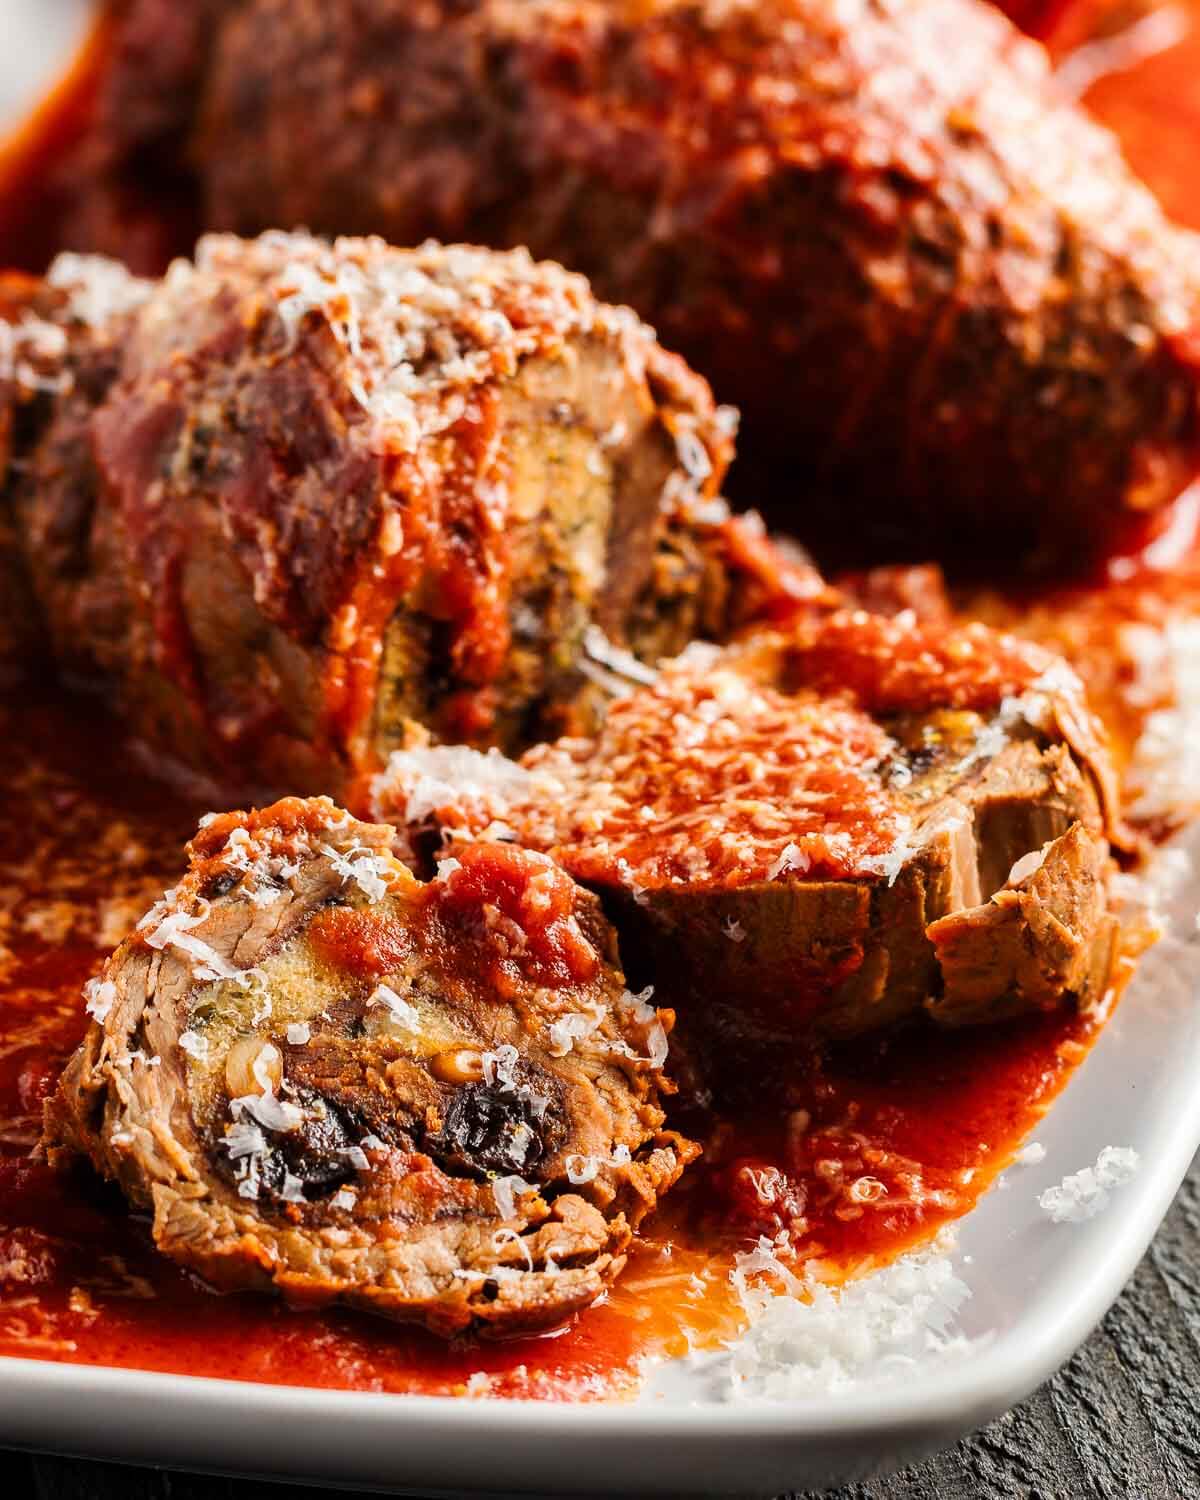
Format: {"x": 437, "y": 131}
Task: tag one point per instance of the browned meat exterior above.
{"x": 930, "y": 282}
{"x": 296, "y": 497}
{"x": 821, "y": 831}
{"x": 31, "y": 353}
{"x": 322, "y": 1077}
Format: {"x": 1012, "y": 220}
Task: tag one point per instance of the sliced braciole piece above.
{"x": 436, "y": 1101}
{"x": 823, "y": 830}
{"x": 297, "y": 496}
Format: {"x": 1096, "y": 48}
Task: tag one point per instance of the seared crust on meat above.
{"x": 320, "y": 1076}
{"x": 297, "y": 497}
{"x": 788, "y": 831}
{"x": 929, "y": 281}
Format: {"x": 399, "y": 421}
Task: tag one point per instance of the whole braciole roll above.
{"x": 324, "y": 1078}
{"x": 821, "y": 831}
{"x": 297, "y": 497}
{"x": 930, "y": 283}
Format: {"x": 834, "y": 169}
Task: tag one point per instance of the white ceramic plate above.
{"x": 1037, "y": 1288}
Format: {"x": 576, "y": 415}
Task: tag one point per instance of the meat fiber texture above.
{"x": 822, "y": 830}
{"x": 296, "y": 497}
{"x": 322, "y": 1077}
{"x": 930, "y": 282}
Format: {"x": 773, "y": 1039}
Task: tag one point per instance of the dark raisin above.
{"x": 488, "y": 1129}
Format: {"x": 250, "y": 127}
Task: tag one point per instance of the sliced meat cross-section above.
{"x": 295, "y": 497}
{"x": 823, "y": 830}
{"x": 321, "y": 1076}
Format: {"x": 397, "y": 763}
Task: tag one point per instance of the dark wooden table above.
{"x": 1120, "y": 1422}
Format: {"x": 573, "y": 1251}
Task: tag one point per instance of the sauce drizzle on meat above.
{"x": 84, "y": 847}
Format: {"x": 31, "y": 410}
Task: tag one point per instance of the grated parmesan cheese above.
{"x": 299, "y": 1033}
{"x": 581, "y": 1169}
{"x": 194, "y": 1045}
{"x": 498, "y": 1068}
{"x": 1083, "y": 1194}
{"x": 399, "y": 1012}
{"x": 575, "y": 1026}
{"x": 292, "y": 1190}
{"x": 638, "y": 1009}
{"x": 101, "y": 996}
{"x": 1164, "y": 771}
{"x": 1031, "y": 1155}
{"x": 97, "y": 288}
{"x": 371, "y": 872}
{"x": 244, "y": 1138}
{"x": 622, "y": 664}
{"x": 417, "y": 784}
{"x": 791, "y": 858}
{"x": 268, "y": 1111}
{"x": 810, "y": 1339}
{"x": 506, "y": 1191}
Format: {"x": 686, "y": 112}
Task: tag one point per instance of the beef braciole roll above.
{"x": 320, "y": 1076}
{"x": 929, "y": 281}
{"x": 824, "y": 830}
{"x": 296, "y": 495}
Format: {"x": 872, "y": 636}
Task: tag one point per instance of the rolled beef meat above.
{"x": 297, "y": 496}
{"x": 821, "y": 831}
{"x": 324, "y": 1078}
{"x": 929, "y": 281}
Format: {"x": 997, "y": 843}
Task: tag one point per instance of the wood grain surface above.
{"x": 1120, "y": 1422}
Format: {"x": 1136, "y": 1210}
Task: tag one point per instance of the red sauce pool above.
{"x": 87, "y": 842}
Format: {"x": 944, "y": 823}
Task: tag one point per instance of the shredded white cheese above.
{"x": 417, "y": 784}
{"x": 498, "y": 1068}
{"x": 791, "y": 859}
{"x": 292, "y": 1190}
{"x": 575, "y": 1026}
{"x": 101, "y": 996}
{"x": 582, "y": 1169}
{"x": 638, "y": 1009}
{"x": 244, "y": 1138}
{"x": 271, "y": 1113}
{"x": 618, "y": 661}
{"x": 194, "y": 1045}
{"x": 299, "y": 1033}
{"x": 1081, "y": 1195}
{"x": 370, "y": 871}
{"x": 507, "y": 1191}
{"x": 399, "y": 1012}
{"x": 811, "y": 1339}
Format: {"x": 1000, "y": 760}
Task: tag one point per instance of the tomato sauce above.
{"x": 859, "y": 1156}
{"x": 88, "y": 841}
{"x": 1138, "y": 62}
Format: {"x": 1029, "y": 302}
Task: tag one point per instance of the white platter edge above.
{"x": 1037, "y": 1288}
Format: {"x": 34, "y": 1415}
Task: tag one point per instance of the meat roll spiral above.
{"x": 822, "y": 831}
{"x": 296, "y": 497}
{"x": 933, "y": 286}
{"x": 322, "y": 1077}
